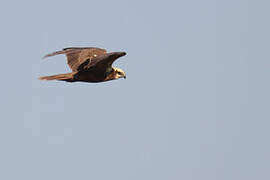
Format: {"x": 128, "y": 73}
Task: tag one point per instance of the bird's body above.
{"x": 88, "y": 65}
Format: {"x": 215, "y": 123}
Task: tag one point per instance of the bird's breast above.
{"x": 90, "y": 76}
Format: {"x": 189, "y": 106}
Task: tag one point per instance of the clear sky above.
{"x": 194, "y": 106}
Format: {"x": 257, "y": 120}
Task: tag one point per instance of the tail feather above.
{"x": 60, "y": 77}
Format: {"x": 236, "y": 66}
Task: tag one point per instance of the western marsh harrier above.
{"x": 88, "y": 64}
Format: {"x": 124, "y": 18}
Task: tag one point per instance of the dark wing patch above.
{"x": 76, "y": 56}
{"x": 98, "y": 63}
{"x": 102, "y": 63}
{"x": 83, "y": 65}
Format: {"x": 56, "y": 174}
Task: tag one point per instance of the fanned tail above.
{"x": 60, "y": 77}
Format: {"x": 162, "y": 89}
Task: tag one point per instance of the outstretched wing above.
{"x": 101, "y": 63}
{"x": 77, "y": 57}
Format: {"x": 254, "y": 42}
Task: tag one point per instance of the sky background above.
{"x": 194, "y": 106}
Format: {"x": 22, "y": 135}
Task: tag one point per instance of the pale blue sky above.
{"x": 194, "y": 106}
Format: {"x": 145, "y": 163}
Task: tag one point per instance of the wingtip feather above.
{"x": 53, "y": 54}
{"x": 64, "y": 51}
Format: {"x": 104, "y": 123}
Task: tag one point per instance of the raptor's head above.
{"x": 118, "y": 73}
{"x": 113, "y": 72}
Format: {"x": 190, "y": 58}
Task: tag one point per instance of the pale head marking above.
{"x": 119, "y": 73}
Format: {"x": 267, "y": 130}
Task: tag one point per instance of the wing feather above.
{"x": 76, "y": 56}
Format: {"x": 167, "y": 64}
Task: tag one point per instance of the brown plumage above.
{"x": 88, "y": 64}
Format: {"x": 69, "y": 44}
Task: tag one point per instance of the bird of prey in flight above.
{"x": 88, "y": 64}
